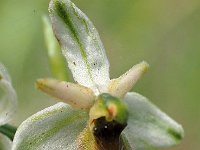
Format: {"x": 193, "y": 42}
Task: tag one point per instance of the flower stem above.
{"x": 8, "y": 130}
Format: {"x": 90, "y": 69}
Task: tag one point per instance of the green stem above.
{"x": 8, "y": 130}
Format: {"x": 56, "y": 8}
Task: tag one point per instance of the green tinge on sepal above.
{"x": 149, "y": 127}
{"x": 56, "y": 59}
{"x": 81, "y": 45}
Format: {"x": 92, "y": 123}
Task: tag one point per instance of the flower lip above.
{"x": 107, "y": 132}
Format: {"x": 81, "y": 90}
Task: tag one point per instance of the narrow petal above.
{"x": 8, "y": 97}
{"x": 54, "y": 128}
{"x": 56, "y": 59}
{"x": 5, "y": 142}
{"x": 120, "y": 86}
{"x": 75, "y": 95}
{"x": 149, "y": 127}
{"x": 81, "y": 45}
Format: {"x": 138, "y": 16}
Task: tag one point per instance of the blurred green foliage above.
{"x": 164, "y": 33}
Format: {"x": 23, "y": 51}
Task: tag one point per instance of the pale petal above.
{"x": 54, "y": 128}
{"x": 76, "y": 95}
{"x": 148, "y": 127}
{"x": 81, "y": 45}
{"x": 8, "y": 97}
{"x": 5, "y": 142}
{"x": 120, "y": 86}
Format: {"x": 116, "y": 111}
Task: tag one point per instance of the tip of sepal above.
{"x": 55, "y": 5}
{"x": 74, "y": 94}
{"x": 176, "y": 134}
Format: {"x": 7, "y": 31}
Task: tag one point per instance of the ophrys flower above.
{"x": 100, "y": 108}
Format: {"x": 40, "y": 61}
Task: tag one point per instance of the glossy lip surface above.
{"x": 107, "y": 134}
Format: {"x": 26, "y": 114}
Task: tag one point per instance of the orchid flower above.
{"x": 96, "y": 112}
{"x": 8, "y": 105}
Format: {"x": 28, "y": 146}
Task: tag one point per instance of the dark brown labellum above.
{"x": 107, "y": 134}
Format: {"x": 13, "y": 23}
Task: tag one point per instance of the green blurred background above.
{"x": 164, "y": 33}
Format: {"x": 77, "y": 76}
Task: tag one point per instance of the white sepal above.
{"x": 81, "y": 45}
{"x": 54, "y": 128}
{"x": 148, "y": 127}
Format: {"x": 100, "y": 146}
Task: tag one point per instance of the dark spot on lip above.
{"x": 74, "y": 63}
{"x": 105, "y": 129}
{"x": 107, "y": 134}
